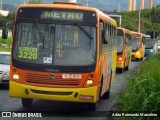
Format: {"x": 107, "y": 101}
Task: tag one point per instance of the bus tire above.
{"x": 27, "y": 102}
{"x": 106, "y": 95}
{"x": 126, "y": 68}
{"x": 100, "y": 90}
{"x": 92, "y": 106}
{"x": 120, "y": 70}
{"x": 142, "y": 58}
{"x": 138, "y": 59}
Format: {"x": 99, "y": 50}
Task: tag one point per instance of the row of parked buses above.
{"x": 67, "y": 52}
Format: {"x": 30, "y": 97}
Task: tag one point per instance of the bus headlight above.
{"x": 120, "y": 59}
{"x": 137, "y": 52}
{"x": 151, "y": 50}
{"x": 16, "y": 77}
{"x": 89, "y": 82}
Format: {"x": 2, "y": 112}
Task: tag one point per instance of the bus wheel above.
{"x": 92, "y": 106}
{"x": 27, "y": 102}
{"x": 120, "y": 70}
{"x": 106, "y": 95}
{"x": 127, "y": 67}
{"x": 141, "y": 58}
{"x": 138, "y": 59}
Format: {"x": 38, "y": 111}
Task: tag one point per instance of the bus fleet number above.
{"x": 72, "y": 76}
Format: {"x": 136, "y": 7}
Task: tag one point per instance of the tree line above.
{"x": 150, "y": 20}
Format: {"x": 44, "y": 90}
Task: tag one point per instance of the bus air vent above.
{"x": 45, "y": 79}
{"x": 66, "y": 3}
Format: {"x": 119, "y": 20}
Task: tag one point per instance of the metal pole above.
{"x": 87, "y": 2}
{"x": 1, "y": 5}
{"x": 119, "y": 7}
{"x": 139, "y": 23}
{"x": 117, "y": 16}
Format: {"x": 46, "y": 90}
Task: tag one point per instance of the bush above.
{"x": 6, "y": 41}
{"x": 143, "y": 90}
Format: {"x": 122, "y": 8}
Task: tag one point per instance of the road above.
{"x": 14, "y": 104}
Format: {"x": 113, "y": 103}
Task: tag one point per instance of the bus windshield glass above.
{"x": 55, "y": 42}
{"x": 149, "y": 43}
{"x": 135, "y": 44}
{"x": 120, "y": 35}
{"x": 120, "y": 44}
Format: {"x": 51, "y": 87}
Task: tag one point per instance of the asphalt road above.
{"x": 14, "y": 104}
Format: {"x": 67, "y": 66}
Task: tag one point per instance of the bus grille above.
{"x": 45, "y": 79}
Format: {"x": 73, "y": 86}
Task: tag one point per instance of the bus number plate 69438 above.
{"x": 71, "y": 76}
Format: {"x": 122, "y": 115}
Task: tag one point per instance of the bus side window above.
{"x": 103, "y": 33}
{"x": 101, "y": 30}
{"x": 114, "y": 38}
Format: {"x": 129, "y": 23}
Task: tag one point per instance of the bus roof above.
{"x": 138, "y": 34}
{"x": 125, "y": 30}
{"x": 73, "y": 6}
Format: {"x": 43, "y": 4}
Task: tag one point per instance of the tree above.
{"x": 35, "y": 1}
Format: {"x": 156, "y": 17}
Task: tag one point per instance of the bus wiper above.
{"x": 41, "y": 36}
{"x": 86, "y": 33}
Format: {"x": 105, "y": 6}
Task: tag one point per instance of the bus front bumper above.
{"x": 134, "y": 56}
{"x": 120, "y": 64}
{"x": 58, "y": 94}
{"x": 148, "y": 52}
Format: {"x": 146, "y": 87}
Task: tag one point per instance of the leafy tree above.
{"x": 35, "y": 1}
{"x": 150, "y": 20}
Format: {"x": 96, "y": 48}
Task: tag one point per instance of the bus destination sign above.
{"x": 62, "y": 15}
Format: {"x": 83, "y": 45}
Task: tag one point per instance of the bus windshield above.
{"x": 135, "y": 44}
{"x": 55, "y": 44}
{"x": 120, "y": 44}
{"x": 149, "y": 43}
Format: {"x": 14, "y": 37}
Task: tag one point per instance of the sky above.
{"x": 101, "y": 4}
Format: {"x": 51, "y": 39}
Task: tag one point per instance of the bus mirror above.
{"x": 5, "y": 32}
{"x": 143, "y": 40}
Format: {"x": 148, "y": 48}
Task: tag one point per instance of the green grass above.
{"x": 143, "y": 90}
{"x": 6, "y": 41}
{"x": 5, "y": 49}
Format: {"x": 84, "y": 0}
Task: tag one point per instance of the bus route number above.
{"x": 27, "y": 53}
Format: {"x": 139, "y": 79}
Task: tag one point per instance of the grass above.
{"x": 5, "y": 49}
{"x": 143, "y": 90}
{"x": 6, "y": 41}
